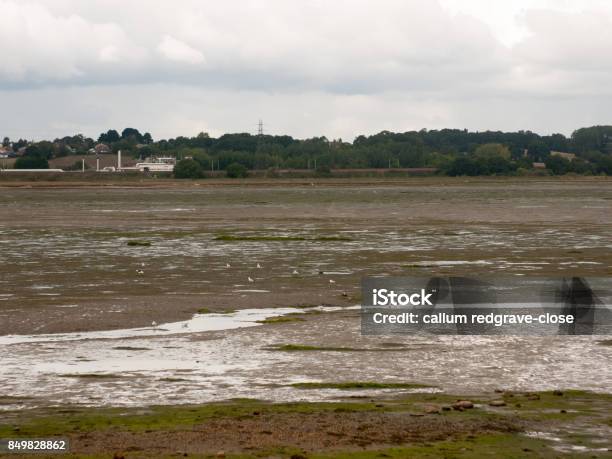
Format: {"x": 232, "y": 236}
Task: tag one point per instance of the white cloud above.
{"x": 391, "y": 64}
{"x": 176, "y": 50}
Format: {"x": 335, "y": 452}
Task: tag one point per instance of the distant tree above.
{"x": 109, "y": 136}
{"x": 538, "y": 150}
{"x": 20, "y": 143}
{"x": 236, "y": 170}
{"x": 492, "y": 150}
{"x": 592, "y": 138}
{"x": 131, "y": 134}
{"x": 6, "y": 142}
{"x": 558, "y": 165}
{"x": 42, "y": 149}
{"x": 187, "y": 169}
{"x": 462, "y": 166}
{"x": 146, "y": 138}
{"x": 31, "y": 162}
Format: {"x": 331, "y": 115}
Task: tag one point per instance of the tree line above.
{"x": 449, "y": 151}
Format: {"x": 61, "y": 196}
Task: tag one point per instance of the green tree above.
{"x": 109, "y": 136}
{"x": 187, "y": 168}
{"x": 462, "y": 166}
{"x": 558, "y": 165}
{"x": 492, "y": 150}
{"x": 131, "y": 134}
{"x": 31, "y": 162}
{"x": 236, "y": 170}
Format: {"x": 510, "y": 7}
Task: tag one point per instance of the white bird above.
{"x": 251, "y": 279}
{"x": 153, "y": 324}
{"x": 139, "y": 271}
{"x": 258, "y": 266}
{"x": 227, "y": 265}
{"x": 331, "y": 281}
{"x": 295, "y": 271}
{"x": 142, "y": 264}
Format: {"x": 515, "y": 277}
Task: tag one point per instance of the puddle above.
{"x": 199, "y": 323}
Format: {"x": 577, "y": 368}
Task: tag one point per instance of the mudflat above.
{"x": 83, "y": 257}
{"x": 217, "y": 318}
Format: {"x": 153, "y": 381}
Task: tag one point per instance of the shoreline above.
{"x": 169, "y": 183}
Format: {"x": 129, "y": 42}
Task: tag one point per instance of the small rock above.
{"x": 562, "y": 411}
{"x": 221, "y": 454}
{"x": 497, "y": 403}
{"x": 256, "y": 413}
{"x": 463, "y": 404}
{"x": 558, "y": 392}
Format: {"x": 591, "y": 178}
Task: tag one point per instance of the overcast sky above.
{"x": 306, "y": 67}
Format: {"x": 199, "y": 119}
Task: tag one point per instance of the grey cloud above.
{"x": 310, "y": 67}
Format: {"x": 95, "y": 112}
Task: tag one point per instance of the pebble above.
{"x": 462, "y": 405}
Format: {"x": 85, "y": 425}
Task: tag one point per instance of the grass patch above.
{"x": 236, "y": 238}
{"x": 501, "y": 445}
{"x": 280, "y": 320}
{"x": 357, "y": 385}
{"x": 208, "y": 311}
{"x": 305, "y": 347}
{"x": 63, "y": 422}
{"x": 131, "y": 348}
{"x": 138, "y": 243}
{"x": 11, "y": 400}
{"x": 89, "y": 375}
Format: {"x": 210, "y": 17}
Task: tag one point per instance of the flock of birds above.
{"x": 295, "y": 272}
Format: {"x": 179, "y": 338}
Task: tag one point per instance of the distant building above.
{"x": 564, "y": 155}
{"x": 539, "y": 165}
